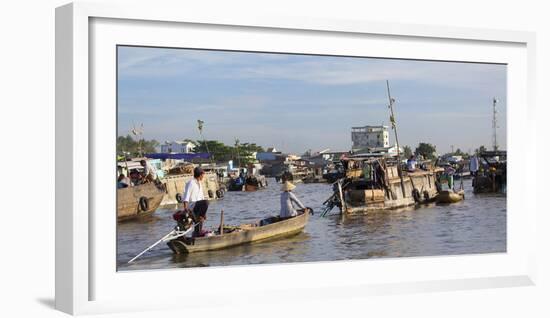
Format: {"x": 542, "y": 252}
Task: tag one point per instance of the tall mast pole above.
{"x": 392, "y": 119}
{"x": 394, "y": 127}
{"x": 238, "y": 152}
{"x": 495, "y": 144}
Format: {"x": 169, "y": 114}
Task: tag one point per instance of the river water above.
{"x": 475, "y": 225}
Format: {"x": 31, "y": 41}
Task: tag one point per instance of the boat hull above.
{"x": 397, "y": 196}
{"x": 447, "y": 196}
{"x": 249, "y": 234}
{"x": 130, "y": 201}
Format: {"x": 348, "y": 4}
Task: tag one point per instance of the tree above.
{"x": 220, "y": 152}
{"x": 407, "y": 152}
{"x": 480, "y": 150}
{"x": 129, "y": 147}
{"x": 246, "y": 150}
{"x": 459, "y": 152}
{"x": 426, "y": 150}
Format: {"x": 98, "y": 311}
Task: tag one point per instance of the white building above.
{"x": 177, "y": 147}
{"x": 370, "y": 137}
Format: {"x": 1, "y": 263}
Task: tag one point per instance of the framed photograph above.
{"x": 239, "y": 156}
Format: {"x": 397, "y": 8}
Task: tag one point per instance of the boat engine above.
{"x": 184, "y": 219}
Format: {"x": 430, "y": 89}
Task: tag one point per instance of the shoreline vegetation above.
{"x": 128, "y": 147}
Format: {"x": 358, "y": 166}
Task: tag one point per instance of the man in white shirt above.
{"x": 411, "y": 164}
{"x": 474, "y": 166}
{"x": 193, "y": 199}
{"x": 149, "y": 172}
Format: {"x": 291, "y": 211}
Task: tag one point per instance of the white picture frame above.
{"x": 84, "y": 285}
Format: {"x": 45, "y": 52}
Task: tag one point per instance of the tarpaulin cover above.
{"x": 180, "y": 156}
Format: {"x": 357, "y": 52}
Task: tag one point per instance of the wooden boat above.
{"x": 254, "y": 183}
{"x": 243, "y": 234}
{"x": 492, "y": 179}
{"x": 314, "y": 179}
{"x": 374, "y": 184}
{"x": 447, "y": 196}
{"x": 138, "y": 201}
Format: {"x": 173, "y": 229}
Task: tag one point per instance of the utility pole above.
{"x": 138, "y": 133}
{"x": 237, "y": 141}
{"x": 200, "y": 124}
{"x": 495, "y": 126}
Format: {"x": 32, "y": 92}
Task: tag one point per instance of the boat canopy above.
{"x": 180, "y": 156}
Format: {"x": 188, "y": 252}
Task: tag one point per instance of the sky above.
{"x": 300, "y": 102}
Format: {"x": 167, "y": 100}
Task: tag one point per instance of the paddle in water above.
{"x": 174, "y": 234}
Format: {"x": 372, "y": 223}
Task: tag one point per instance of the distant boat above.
{"x": 376, "y": 184}
{"x": 254, "y": 183}
{"x": 449, "y": 196}
{"x": 491, "y": 178}
{"x": 248, "y": 183}
{"x": 235, "y": 184}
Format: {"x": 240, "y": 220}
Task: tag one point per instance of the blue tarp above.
{"x": 180, "y": 156}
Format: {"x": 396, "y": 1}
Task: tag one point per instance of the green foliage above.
{"x": 220, "y": 152}
{"x": 407, "y": 152}
{"x": 480, "y": 150}
{"x": 426, "y": 150}
{"x": 127, "y": 146}
{"x": 459, "y": 152}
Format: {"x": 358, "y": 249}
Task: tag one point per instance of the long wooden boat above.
{"x": 447, "y": 196}
{"x": 376, "y": 184}
{"x": 244, "y": 234}
{"x": 138, "y": 201}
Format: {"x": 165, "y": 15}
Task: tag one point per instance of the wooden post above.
{"x": 221, "y": 223}
{"x": 343, "y": 209}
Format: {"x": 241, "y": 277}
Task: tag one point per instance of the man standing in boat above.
{"x": 288, "y": 199}
{"x": 411, "y": 164}
{"x": 474, "y": 165}
{"x": 193, "y": 199}
{"x": 149, "y": 172}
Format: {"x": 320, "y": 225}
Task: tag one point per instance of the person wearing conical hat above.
{"x": 289, "y": 201}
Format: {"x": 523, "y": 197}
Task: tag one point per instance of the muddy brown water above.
{"x": 475, "y": 225}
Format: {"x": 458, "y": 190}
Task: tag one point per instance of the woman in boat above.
{"x": 288, "y": 200}
{"x": 449, "y": 174}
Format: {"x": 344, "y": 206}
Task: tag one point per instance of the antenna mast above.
{"x": 495, "y": 126}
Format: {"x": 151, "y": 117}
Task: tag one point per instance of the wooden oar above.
{"x": 221, "y": 223}
{"x": 170, "y": 236}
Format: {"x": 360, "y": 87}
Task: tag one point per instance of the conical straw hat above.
{"x": 287, "y": 186}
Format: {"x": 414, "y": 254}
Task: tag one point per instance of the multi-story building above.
{"x": 369, "y": 137}
{"x": 177, "y": 147}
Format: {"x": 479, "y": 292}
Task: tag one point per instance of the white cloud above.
{"x": 322, "y": 70}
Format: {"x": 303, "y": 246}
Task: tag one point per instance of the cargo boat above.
{"x": 374, "y": 184}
